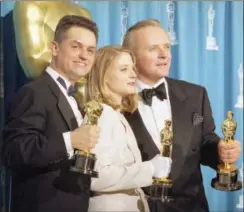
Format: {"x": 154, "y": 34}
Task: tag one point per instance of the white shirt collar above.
{"x": 54, "y": 74}
{"x": 142, "y": 85}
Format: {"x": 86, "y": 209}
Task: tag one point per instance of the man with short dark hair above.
{"x": 44, "y": 126}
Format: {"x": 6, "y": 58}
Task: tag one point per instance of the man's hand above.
{"x": 85, "y": 137}
{"x": 229, "y": 152}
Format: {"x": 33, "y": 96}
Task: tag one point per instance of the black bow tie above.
{"x": 71, "y": 90}
{"x": 159, "y": 91}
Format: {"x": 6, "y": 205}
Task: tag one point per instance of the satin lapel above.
{"x": 182, "y": 127}
{"x": 63, "y": 105}
{"x": 67, "y": 112}
{"x": 145, "y": 142}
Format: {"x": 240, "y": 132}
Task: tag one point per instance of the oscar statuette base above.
{"x": 84, "y": 163}
{"x": 227, "y": 178}
{"x": 161, "y": 189}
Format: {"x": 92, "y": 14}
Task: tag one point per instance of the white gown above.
{"x": 119, "y": 165}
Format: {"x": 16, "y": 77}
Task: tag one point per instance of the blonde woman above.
{"x": 120, "y": 167}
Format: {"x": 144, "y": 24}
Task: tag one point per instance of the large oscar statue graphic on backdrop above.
{"x": 34, "y": 25}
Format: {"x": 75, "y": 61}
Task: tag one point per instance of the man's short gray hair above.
{"x": 137, "y": 26}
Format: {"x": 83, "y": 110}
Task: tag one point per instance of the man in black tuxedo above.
{"x": 187, "y": 105}
{"x": 44, "y": 127}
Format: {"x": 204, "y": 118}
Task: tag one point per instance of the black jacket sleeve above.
{"x": 24, "y": 139}
{"x": 210, "y": 140}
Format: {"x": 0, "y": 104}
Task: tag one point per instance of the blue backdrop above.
{"x": 207, "y": 49}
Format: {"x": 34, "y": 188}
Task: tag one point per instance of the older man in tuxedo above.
{"x": 44, "y": 126}
{"x": 187, "y": 105}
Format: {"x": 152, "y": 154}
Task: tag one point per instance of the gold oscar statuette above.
{"x": 84, "y": 160}
{"x": 227, "y": 174}
{"x": 162, "y": 187}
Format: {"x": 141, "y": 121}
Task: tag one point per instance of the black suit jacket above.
{"x": 35, "y": 151}
{"x": 192, "y": 145}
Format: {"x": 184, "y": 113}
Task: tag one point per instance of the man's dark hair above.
{"x": 68, "y": 21}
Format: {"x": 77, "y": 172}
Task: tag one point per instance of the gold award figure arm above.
{"x": 34, "y": 25}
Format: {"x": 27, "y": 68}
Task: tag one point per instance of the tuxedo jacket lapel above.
{"x": 63, "y": 105}
{"x": 67, "y": 112}
{"x": 182, "y": 127}
{"x": 145, "y": 142}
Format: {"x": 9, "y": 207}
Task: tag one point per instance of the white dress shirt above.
{"x": 154, "y": 116}
{"x": 73, "y": 104}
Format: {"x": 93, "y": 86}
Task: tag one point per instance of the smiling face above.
{"x": 120, "y": 77}
{"x": 151, "y": 47}
{"x": 74, "y": 55}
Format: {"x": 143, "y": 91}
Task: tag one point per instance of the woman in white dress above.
{"x": 119, "y": 164}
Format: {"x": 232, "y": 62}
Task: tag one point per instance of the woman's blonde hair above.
{"x": 105, "y": 56}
